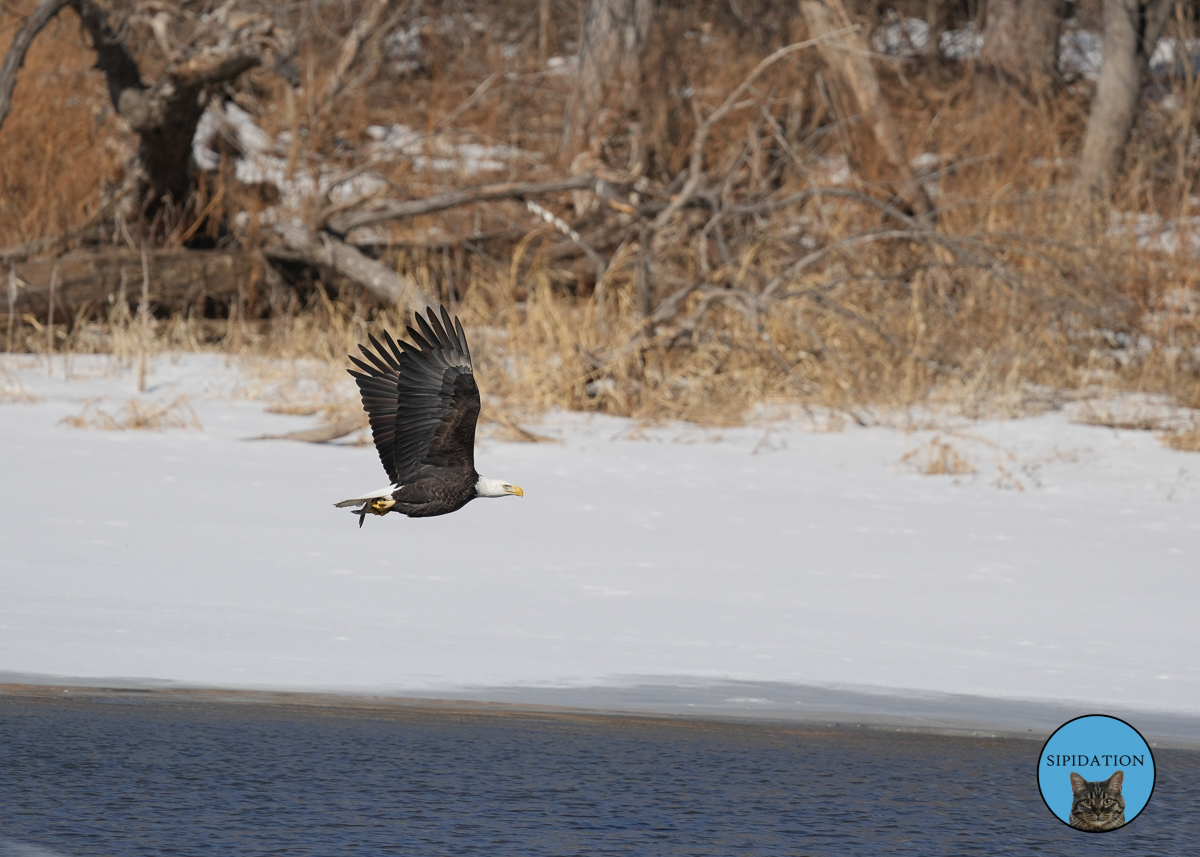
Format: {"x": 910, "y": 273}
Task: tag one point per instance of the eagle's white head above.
{"x": 496, "y": 488}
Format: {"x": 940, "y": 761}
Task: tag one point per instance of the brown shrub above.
{"x": 1014, "y": 292}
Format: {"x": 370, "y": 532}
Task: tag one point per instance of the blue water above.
{"x": 123, "y": 775}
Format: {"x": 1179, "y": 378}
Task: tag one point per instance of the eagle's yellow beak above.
{"x": 516, "y": 489}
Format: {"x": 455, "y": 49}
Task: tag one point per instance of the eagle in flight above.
{"x": 423, "y": 404}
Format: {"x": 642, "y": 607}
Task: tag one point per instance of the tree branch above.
{"x": 695, "y": 169}
{"x": 323, "y": 250}
{"x": 343, "y": 223}
{"x": 350, "y": 48}
{"x": 41, "y": 16}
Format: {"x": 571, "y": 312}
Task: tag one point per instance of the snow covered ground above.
{"x": 1065, "y": 569}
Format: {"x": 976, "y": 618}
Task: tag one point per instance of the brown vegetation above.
{"x": 137, "y": 415}
{"x": 937, "y": 458}
{"x": 1185, "y": 441}
{"x": 719, "y": 250}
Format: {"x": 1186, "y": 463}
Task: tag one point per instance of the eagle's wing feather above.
{"x": 458, "y": 330}
{"x": 387, "y": 337}
{"x": 422, "y": 399}
{"x": 378, "y": 389}
{"x": 439, "y": 401}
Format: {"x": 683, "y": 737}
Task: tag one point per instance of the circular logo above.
{"x": 1096, "y": 773}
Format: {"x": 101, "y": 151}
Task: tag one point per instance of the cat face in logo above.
{"x": 1098, "y": 805}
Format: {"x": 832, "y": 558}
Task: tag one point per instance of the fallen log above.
{"x": 89, "y": 281}
{"x": 322, "y": 433}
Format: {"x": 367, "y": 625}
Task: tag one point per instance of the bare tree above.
{"x": 202, "y": 52}
{"x": 1131, "y": 30}
{"x": 1021, "y": 44}
{"x": 611, "y": 46}
{"x": 855, "y": 91}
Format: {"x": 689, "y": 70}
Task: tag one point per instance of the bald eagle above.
{"x": 423, "y": 404}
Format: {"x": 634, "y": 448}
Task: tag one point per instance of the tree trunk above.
{"x": 1021, "y": 44}
{"x": 1131, "y": 30}
{"x": 855, "y": 91}
{"x": 611, "y": 45}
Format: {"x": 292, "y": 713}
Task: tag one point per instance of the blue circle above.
{"x": 1095, "y": 746}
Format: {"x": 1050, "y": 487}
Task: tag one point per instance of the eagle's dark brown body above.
{"x": 425, "y": 498}
{"x": 423, "y": 404}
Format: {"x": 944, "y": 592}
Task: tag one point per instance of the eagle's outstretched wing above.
{"x": 421, "y": 399}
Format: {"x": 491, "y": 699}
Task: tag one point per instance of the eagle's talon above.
{"x": 381, "y": 505}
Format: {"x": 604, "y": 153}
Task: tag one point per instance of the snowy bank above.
{"x": 1063, "y": 570}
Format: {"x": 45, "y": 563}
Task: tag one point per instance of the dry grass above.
{"x": 937, "y": 457}
{"x": 137, "y": 415}
{"x": 1130, "y": 411}
{"x": 958, "y": 453}
{"x": 1015, "y": 293}
{"x": 12, "y": 390}
{"x": 1186, "y": 440}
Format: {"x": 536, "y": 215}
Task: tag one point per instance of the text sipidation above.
{"x": 1106, "y": 761}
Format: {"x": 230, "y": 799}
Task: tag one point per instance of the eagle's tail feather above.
{"x": 368, "y": 497}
